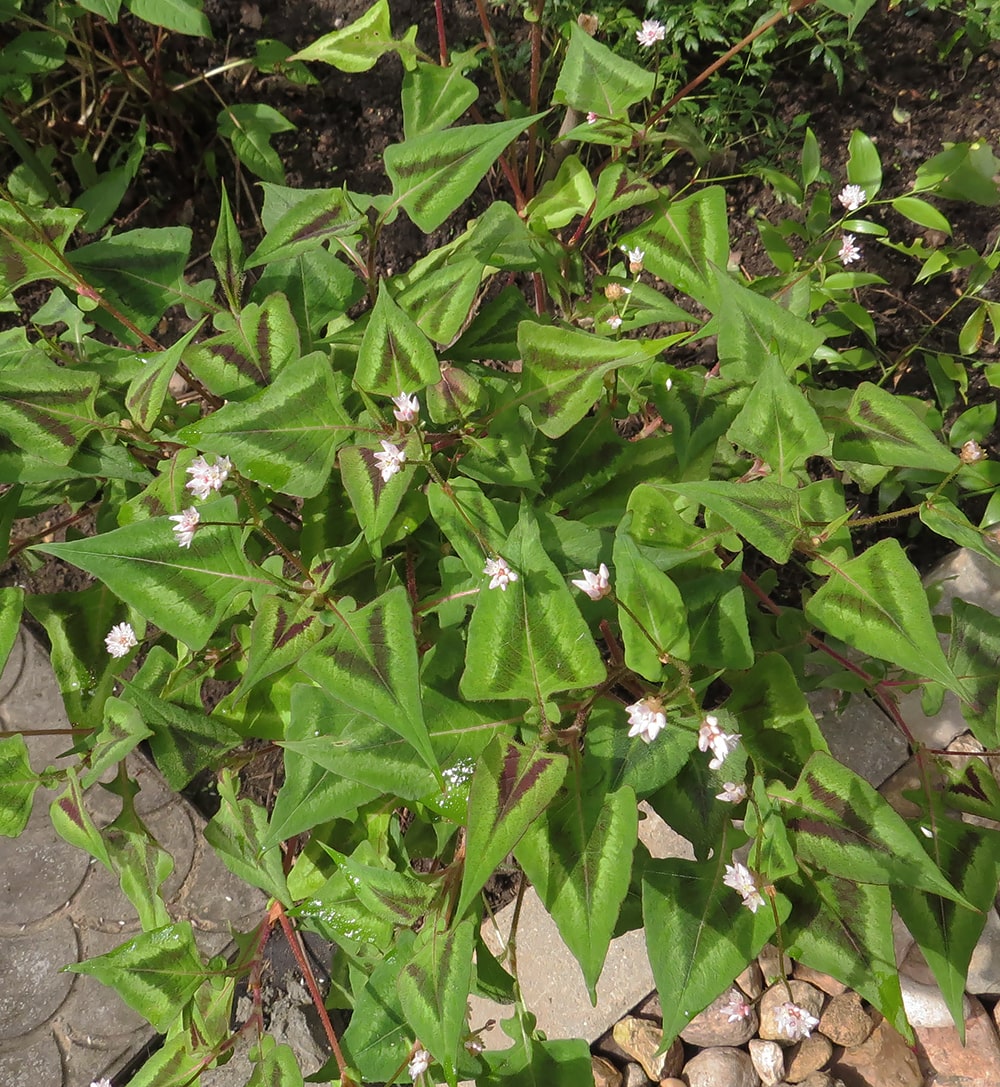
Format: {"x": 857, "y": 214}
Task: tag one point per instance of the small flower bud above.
{"x": 972, "y": 453}
{"x": 614, "y": 291}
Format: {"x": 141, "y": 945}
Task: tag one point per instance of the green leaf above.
{"x": 250, "y": 351}
{"x": 578, "y": 856}
{"x": 395, "y": 356}
{"x": 970, "y": 336}
{"x": 18, "y": 783}
{"x": 564, "y": 371}
{"x": 529, "y": 640}
{"x": 511, "y": 787}
{"x": 699, "y": 936}
{"x": 148, "y": 389}
{"x": 31, "y": 240}
{"x": 311, "y": 219}
{"x": 46, "y": 409}
{"x": 398, "y": 898}
{"x": 920, "y": 212}
{"x": 433, "y": 97}
{"x": 184, "y": 16}
{"x": 974, "y": 653}
{"x": 947, "y": 932}
{"x": 375, "y": 501}
{"x": 946, "y": 519}
{"x": 879, "y": 428}
{"x": 465, "y": 515}
{"x": 73, "y": 822}
{"x": 876, "y": 604}
{"x": 595, "y": 79}
{"x": 649, "y": 596}
{"x": 841, "y": 824}
{"x": 369, "y": 662}
{"x": 122, "y": 731}
{"x": 141, "y": 272}
{"x": 778, "y": 729}
{"x": 276, "y": 1066}
{"x": 811, "y": 159}
{"x": 440, "y": 299}
{"x": 227, "y": 253}
{"x": 434, "y": 987}
{"x": 249, "y": 126}
{"x": 863, "y": 165}
{"x": 569, "y": 194}
{"x": 534, "y": 1063}
{"x": 183, "y": 591}
{"x": 844, "y": 928}
{"x": 378, "y": 1040}
{"x": 236, "y": 833}
{"x": 313, "y": 793}
{"x": 434, "y": 173}
{"x": 717, "y": 619}
{"x": 965, "y": 171}
{"x": 779, "y": 425}
{"x": 183, "y": 742}
{"x": 766, "y": 515}
{"x": 687, "y": 244}
{"x": 286, "y": 436}
{"x": 155, "y": 973}
{"x": 356, "y": 47}
{"x": 282, "y": 631}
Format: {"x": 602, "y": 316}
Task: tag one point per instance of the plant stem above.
{"x": 536, "y": 70}
{"x": 442, "y": 37}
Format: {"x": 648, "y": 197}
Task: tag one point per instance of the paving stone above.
{"x": 860, "y": 736}
{"x": 57, "y": 906}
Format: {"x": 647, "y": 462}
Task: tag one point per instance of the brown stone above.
{"x": 721, "y": 1066}
{"x": 828, "y": 984}
{"x": 884, "y": 1060}
{"x": 978, "y": 1059}
{"x": 810, "y": 1055}
{"x": 605, "y": 1073}
{"x": 845, "y": 1022}
{"x": 769, "y": 1060}
{"x": 712, "y": 1027}
{"x": 641, "y": 1039}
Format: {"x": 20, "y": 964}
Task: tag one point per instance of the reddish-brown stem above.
{"x": 536, "y": 280}
{"x": 536, "y": 74}
{"x": 442, "y": 37}
{"x": 310, "y": 979}
{"x": 797, "y": 5}
{"x": 584, "y": 223}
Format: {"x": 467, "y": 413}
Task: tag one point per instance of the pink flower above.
{"x": 711, "y": 737}
{"x": 419, "y": 1063}
{"x": 407, "y": 408}
{"x": 500, "y": 574}
{"x": 795, "y": 1023}
{"x": 591, "y": 117}
{"x": 205, "y": 477}
{"x": 596, "y": 586}
{"x": 742, "y": 881}
{"x": 736, "y": 1007}
{"x": 646, "y": 718}
{"x": 390, "y": 460}
{"x": 615, "y": 322}
{"x": 852, "y": 197}
{"x": 650, "y": 33}
{"x": 187, "y": 522}
{"x": 732, "y": 793}
{"x": 849, "y": 251}
{"x": 120, "y": 640}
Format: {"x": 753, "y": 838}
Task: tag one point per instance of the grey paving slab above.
{"x": 860, "y": 735}
{"x": 58, "y": 907}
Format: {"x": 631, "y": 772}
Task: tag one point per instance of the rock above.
{"x": 721, "y": 1067}
{"x": 845, "y": 1022}
{"x": 810, "y": 1055}
{"x": 768, "y": 962}
{"x": 821, "y": 1079}
{"x": 751, "y": 981}
{"x": 978, "y": 1059}
{"x": 859, "y": 734}
{"x": 925, "y": 1006}
{"x": 803, "y": 994}
{"x": 672, "y": 1082}
{"x": 953, "y": 1081}
{"x": 605, "y": 1073}
{"x": 828, "y": 984}
{"x": 984, "y": 969}
{"x": 712, "y": 1027}
{"x": 640, "y": 1039}
{"x": 884, "y": 1060}
{"x": 768, "y": 1059}
{"x": 634, "y": 1075}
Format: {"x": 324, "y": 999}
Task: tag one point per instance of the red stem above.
{"x": 442, "y": 38}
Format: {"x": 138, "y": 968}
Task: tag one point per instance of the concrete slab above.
{"x": 860, "y": 736}
{"x": 58, "y": 907}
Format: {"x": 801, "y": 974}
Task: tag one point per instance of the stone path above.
{"x": 57, "y": 906}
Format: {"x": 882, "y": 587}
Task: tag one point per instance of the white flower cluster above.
{"x": 651, "y": 32}
{"x": 646, "y": 718}
{"x": 596, "y": 586}
{"x": 390, "y": 460}
{"x": 795, "y": 1023}
{"x": 120, "y": 639}
{"x": 500, "y": 574}
{"x": 743, "y": 882}
{"x": 205, "y": 477}
{"x": 711, "y": 737}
